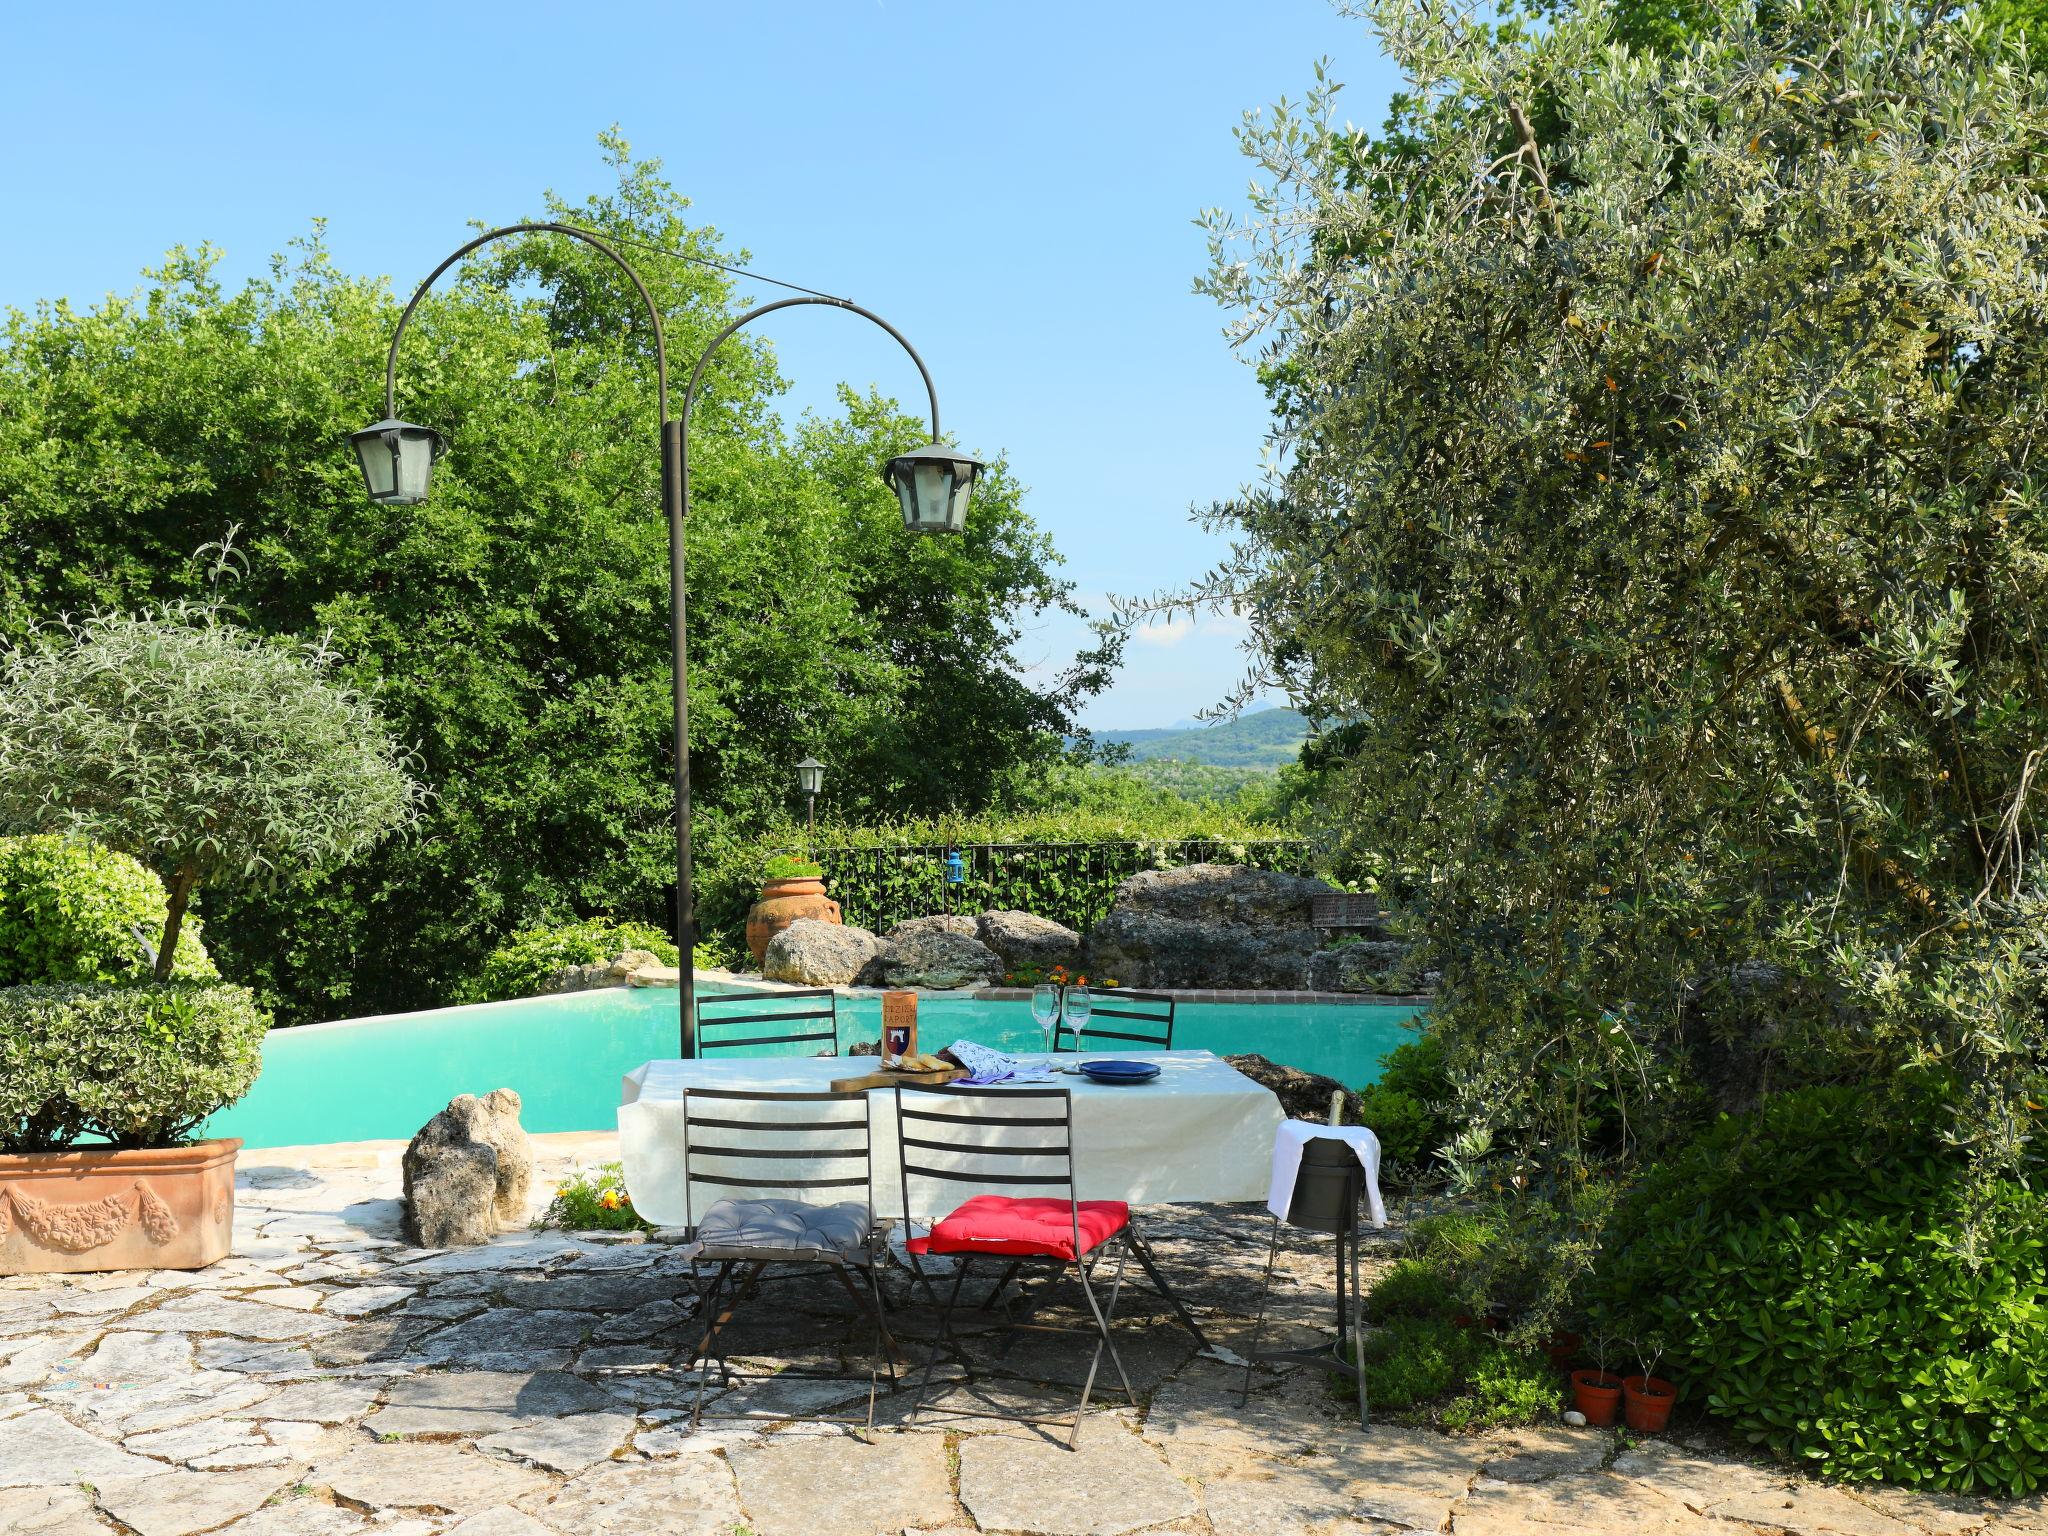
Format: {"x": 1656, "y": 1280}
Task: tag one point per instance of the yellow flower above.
{"x": 611, "y": 1200}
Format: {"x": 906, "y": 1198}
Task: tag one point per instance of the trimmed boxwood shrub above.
{"x": 70, "y": 911}
{"x": 527, "y": 962}
{"x": 139, "y": 1066}
{"x": 1825, "y": 1276}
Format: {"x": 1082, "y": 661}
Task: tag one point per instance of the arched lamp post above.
{"x": 932, "y": 486}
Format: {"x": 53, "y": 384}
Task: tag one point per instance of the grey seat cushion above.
{"x": 747, "y": 1228}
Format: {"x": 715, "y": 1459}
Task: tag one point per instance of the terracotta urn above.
{"x": 64, "y": 1213}
{"x": 782, "y": 903}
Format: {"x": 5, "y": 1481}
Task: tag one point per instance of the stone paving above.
{"x": 327, "y": 1380}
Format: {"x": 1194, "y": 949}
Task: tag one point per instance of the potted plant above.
{"x": 1596, "y": 1392}
{"x": 1648, "y": 1398}
{"x": 137, "y": 1069}
{"x": 791, "y": 888}
{"x": 216, "y": 757}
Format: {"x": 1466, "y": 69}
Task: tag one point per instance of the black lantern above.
{"x": 933, "y": 483}
{"x": 810, "y": 777}
{"x": 398, "y": 459}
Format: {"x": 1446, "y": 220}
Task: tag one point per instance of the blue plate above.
{"x": 1120, "y": 1071}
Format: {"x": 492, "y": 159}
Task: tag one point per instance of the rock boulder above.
{"x": 1021, "y": 939}
{"x": 918, "y": 954}
{"x": 938, "y": 922}
{"x": 818, "y": 954}
{"x": 1302, "y": 1095}
{"x": 1359, "y": 967}
{"x": 468, "y": 1171}
{"x": 1209, "y": 925}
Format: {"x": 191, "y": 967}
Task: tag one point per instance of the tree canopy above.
{"x": 514, "y": 626}
{"x": 213, "y": 755}
{"x": 1660, "y": 493}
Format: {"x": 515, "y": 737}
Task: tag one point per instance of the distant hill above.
{"x": 1270, "y": 739}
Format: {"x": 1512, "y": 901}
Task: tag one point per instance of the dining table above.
{"x": 1199, "y": 1131}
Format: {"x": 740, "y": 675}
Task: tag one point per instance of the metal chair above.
{"x": 1017, "y": 1137}
{"x": 1328, "y": 1189}
{"x": 736, "y": 1139}
{"x": 1148, "y": 1015}
{"x": 790, "y": 1018}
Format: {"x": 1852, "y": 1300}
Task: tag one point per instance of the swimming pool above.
{"x": 373, "y": 1079}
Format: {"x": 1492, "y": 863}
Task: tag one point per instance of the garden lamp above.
{"x": 932, "y": 485}
{"x": 810, "y": 778}
{"x": 397, "y": 459}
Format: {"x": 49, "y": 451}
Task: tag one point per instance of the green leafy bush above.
{"x": 1427, "y": 1368}
{"x": 71, "y": 911}
{"x": 1408, "y": 1106}
{"x": 787, "y": 866}
{"x": 527, "y": 963}
{"x": 138, "y": 1065}
{"x": 593, "y": 1202}
{"x": 1410, "y": 1287}
{"x": 1830, "y": 1279}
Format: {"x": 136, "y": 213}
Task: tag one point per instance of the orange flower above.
{"x": 611, "y": 1200}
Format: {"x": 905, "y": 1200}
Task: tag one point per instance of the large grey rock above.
{"x": 1209, "y": 925}
{"x": 1021, "y": 939}
{"x": 615, "y": 972}
{"x": 1302, "y": 1095}
{"x": 937, "y": 922}
{"x": 916, "y": 954}
{"x": 1360, "y": 967}
{"x": 687, "y": 1495}
{"x": 409, "y": 1475}
{"x": 468, "y": 1170}
{"x": 815, "y": 954}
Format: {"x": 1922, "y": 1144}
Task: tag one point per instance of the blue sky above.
{"x": 1012, "y": 185}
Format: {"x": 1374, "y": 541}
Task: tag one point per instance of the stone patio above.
{"x": 328, "y": 1380}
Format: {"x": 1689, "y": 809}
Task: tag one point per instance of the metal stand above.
{"x": 1326, "y": 1194}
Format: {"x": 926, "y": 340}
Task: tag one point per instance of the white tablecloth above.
{"x": 1201, "y": 1130}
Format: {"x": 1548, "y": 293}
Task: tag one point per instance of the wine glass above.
{"x": 1045, "y": 1008}
{"x": 1079, "y": 1005}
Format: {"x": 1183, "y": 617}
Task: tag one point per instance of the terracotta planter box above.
{"x": 782, "y": 903}
{"x": 65, "y": 1213}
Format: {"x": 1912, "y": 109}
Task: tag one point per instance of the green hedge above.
{"x": 527, "y": 962}
{"x": 1064, "y": 865}
{"x": 138, "y": 1065}
{"x": 1825, "y": 1276}
{"x": 70, "y": 911}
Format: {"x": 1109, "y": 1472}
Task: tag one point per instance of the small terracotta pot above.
{"x": 1596, "y": 1394}
{"x": 1648, "y": 1400}
{"x": 782, "y": 903}
{"x": 1562, "y": 1349}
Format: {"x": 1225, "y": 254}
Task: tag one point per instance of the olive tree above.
{"x": 1662, "y": 495}
{"x": 214, "y": 755}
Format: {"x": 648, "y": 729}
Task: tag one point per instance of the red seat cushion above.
{"x": 1034, "y": 1228}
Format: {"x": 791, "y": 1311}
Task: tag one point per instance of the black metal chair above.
{"x": 739, "y": 1140}
{"x": 768, "y": 1018}
{"x": 1328, "y": 1190}
{"x": 1146, "y": 1018}
{"x": 1021, "y": 1138}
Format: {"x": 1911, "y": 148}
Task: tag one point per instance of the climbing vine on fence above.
{"x": 1071, "y": 883}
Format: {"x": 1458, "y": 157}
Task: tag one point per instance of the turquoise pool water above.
{"x": 367, "y": 1079}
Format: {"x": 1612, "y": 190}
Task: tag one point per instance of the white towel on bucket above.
{"x": 1287, "y": 1145}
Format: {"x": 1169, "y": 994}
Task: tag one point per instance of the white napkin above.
{"x": 1293, "y": 1135}
{"x": 987, "y": 1066}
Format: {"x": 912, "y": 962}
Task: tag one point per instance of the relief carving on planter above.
{"x": 90, "y": 1223}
